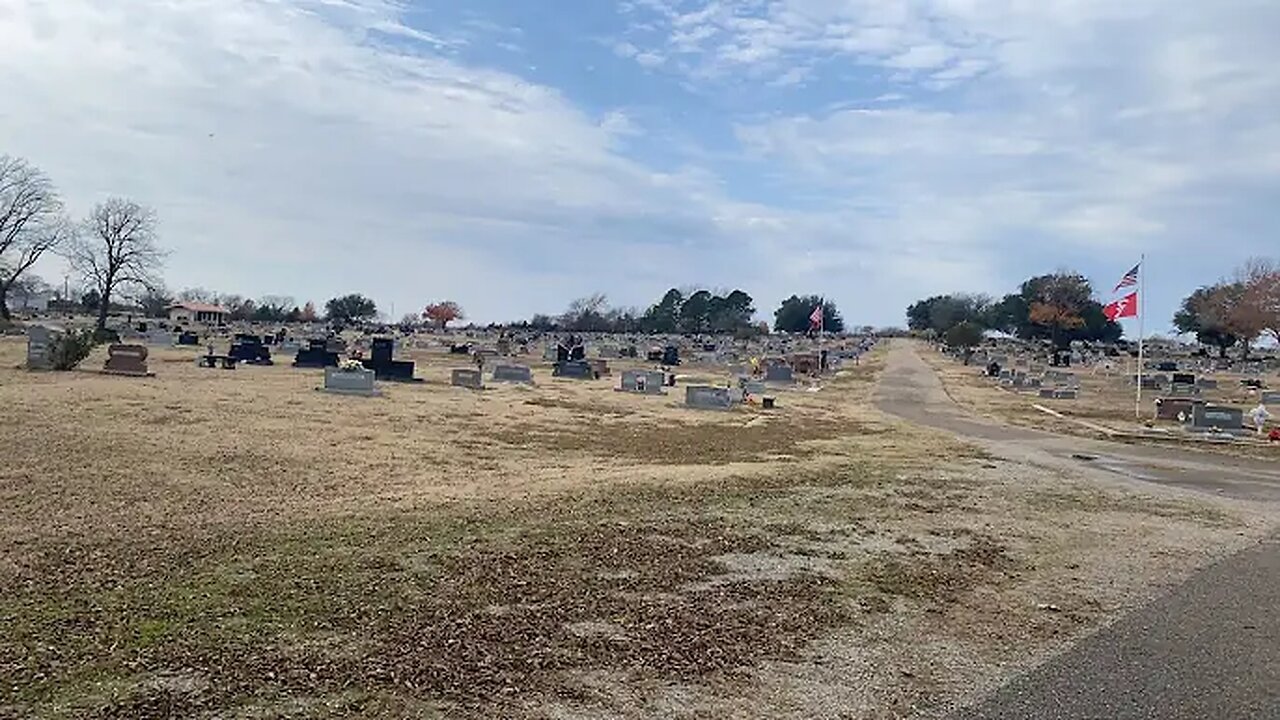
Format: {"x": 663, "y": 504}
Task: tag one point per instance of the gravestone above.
{"x": 1207, "y": 384}
{"x": 1182, "y": 390}
{"x": 574, "y": 369}
{"x": 128, "y": 360}
{"x": 513, "y": 374}
{"x": 188, "y": 338}
{"x": 1179, "y": 378}
{"x": 249, "y": 349}
{"x": 754, "y": 387}
{"x": 381, "y": 363}
{"x": 1270, "y": 397}
{"x": 467, "y": 378}
{"x": 1217, "y": 417}
{"x": 160, "y": 338}
{"x": 316, "y": 355}
{"x": 1154, "y": 382}
{"x": 1176, "y": 408}
{"x": 778, "y": 373}
{"x": 706, "y": 397}
{"x": 1066, "y": 394}
{"x": 646, "y": 382}
{"x": 600, "y": 366}
{"x": 40, "y": 342}
{"x": 350, "y": 382}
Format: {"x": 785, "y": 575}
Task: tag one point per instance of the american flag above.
{"x": 815, "y": 318}
{"x": 1129, "y": 280}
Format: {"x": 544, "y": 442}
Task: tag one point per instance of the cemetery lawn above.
{"x": 234, "y": 544}
{"x": 1105, "y": 408}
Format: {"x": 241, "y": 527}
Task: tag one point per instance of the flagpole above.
{"x": 1142, "y": 313}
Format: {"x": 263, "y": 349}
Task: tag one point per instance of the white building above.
{"x": 19, "y": 300}
{"x": 198, "y": 313}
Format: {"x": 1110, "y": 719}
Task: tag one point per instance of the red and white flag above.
{"x": 1125, "y": 307}
{"x": 815, "y": 318}
{"x": 1130, "y": 279}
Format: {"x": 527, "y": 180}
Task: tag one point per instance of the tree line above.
{"x": 1057, "y": 307}
{"x": 689, "y": 311}
{"x": 1233, "y": 312}
{"x": 116, "y": 256}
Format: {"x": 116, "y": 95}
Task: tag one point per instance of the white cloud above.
{"x": 285, "y": 153}
{"x": 1070, "y": 130}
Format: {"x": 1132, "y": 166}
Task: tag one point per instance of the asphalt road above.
{"x": 1208, "y": 650}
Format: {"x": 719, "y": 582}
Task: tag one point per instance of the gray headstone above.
{"x": 1270, "y": 397}
{"x": 754, "y": 387}
{"x": 468, "y": 378}
{"x": 778, "y": 373}
{"x": 40, "y": 342}
{"x": 648, "y": 382}
{"x": 1219, "y": 417}
{"x": 513, "y": 374}
{"x": 350, "y": 382}
{"x": 707, "y": 397}
{"x": 575, "y": 370}
{"x": 1065, "y": 394}
{"x": 1207, "y": 384}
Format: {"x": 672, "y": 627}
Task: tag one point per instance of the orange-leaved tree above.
{"x": 442, "y": 313}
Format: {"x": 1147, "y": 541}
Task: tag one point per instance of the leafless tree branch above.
{"x": 116, "y": 251}
{"x": 31, "y": 221}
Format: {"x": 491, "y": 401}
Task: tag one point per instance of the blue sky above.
{"x": 512, "y": 154}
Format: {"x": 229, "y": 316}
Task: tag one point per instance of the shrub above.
{"x": 71, "y": 348}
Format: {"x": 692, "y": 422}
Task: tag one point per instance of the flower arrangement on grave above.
{"x": 349, "y": 365}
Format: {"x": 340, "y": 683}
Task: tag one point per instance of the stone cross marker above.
{"x": 468, "y": 378}
{"x": 350, "y": 382}
{"x": 126, "y": 360}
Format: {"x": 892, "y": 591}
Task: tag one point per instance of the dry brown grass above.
{"x": 235, "y": 544}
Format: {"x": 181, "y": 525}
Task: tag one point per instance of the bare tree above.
{"x": 31, "y": 222}
{"x": 117, "y": 251}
